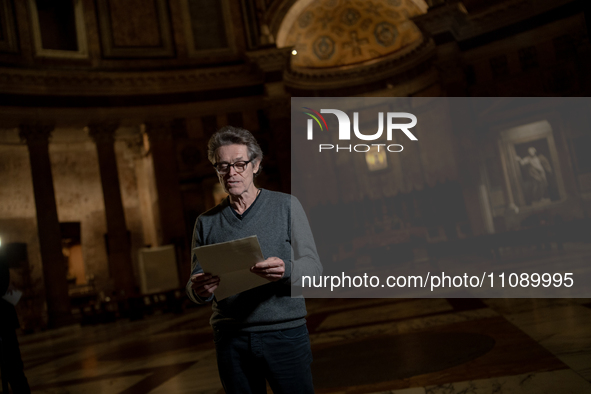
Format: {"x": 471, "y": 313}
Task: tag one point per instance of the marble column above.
{"x": 50, "y": 240}
{"x": 170, "y": 203}
{"x": 120, "y": 263}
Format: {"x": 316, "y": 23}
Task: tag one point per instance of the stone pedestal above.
{"x": 50, "y": 240}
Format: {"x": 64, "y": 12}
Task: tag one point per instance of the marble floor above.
{"x": 405, "y": 346}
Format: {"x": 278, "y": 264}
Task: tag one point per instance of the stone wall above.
{"x": 79, "y": 198}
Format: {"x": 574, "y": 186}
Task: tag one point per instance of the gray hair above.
{"x": 230, "y": 135}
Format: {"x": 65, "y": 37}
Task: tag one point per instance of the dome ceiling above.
{"x": 334, "y": 33}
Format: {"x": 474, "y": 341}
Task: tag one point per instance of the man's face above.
{"x": 234, "y": 183}
{"x": 532, "y": 151}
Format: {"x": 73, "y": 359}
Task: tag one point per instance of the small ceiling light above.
{"x": 294, "y": 52}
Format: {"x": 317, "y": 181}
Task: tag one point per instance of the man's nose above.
{"x": 230, "y": 173}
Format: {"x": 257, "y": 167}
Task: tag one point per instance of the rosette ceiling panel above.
{"x": 336, "y": 33}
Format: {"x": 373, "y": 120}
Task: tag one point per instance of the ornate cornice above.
{"x": 374, "y": 71}
{"x": 99, "y": 83}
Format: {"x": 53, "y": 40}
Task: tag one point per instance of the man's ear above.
{"x": 256, "y": 167}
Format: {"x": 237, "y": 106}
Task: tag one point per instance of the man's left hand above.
{"x": 271, "y": 269}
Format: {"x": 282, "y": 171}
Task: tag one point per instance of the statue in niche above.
{"x": 535, "y": 171}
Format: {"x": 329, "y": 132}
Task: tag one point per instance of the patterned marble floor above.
{"x": 410, "y": 346}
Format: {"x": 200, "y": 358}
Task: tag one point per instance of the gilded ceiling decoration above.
{"x": 334, "y": 33}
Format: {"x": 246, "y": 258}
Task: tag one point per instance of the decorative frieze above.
{"x": 94, "y": 83}
{"x": 270, "y": 59}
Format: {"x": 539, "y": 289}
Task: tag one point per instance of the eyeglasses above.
{"x": 224, "y": 168}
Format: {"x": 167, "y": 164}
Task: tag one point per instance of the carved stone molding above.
{"x": 270, "y": 59}
{"x": 103, "y": 132}
{"x": 387, "y": 67}
{"x": 36, "y": 133}
{"x": 95, "y": 83}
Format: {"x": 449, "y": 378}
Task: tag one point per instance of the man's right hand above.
{"x": 204, "y": 284}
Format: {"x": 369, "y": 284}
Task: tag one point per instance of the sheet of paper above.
{"x": 231, "y": 261}
{"x": 14, "y": 296}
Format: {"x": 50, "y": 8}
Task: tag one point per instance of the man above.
{"x": 10, "y": 355}
{"x": 260, "y": 334}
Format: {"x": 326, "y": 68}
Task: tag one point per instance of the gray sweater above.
{"x": 280, "y": 224}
